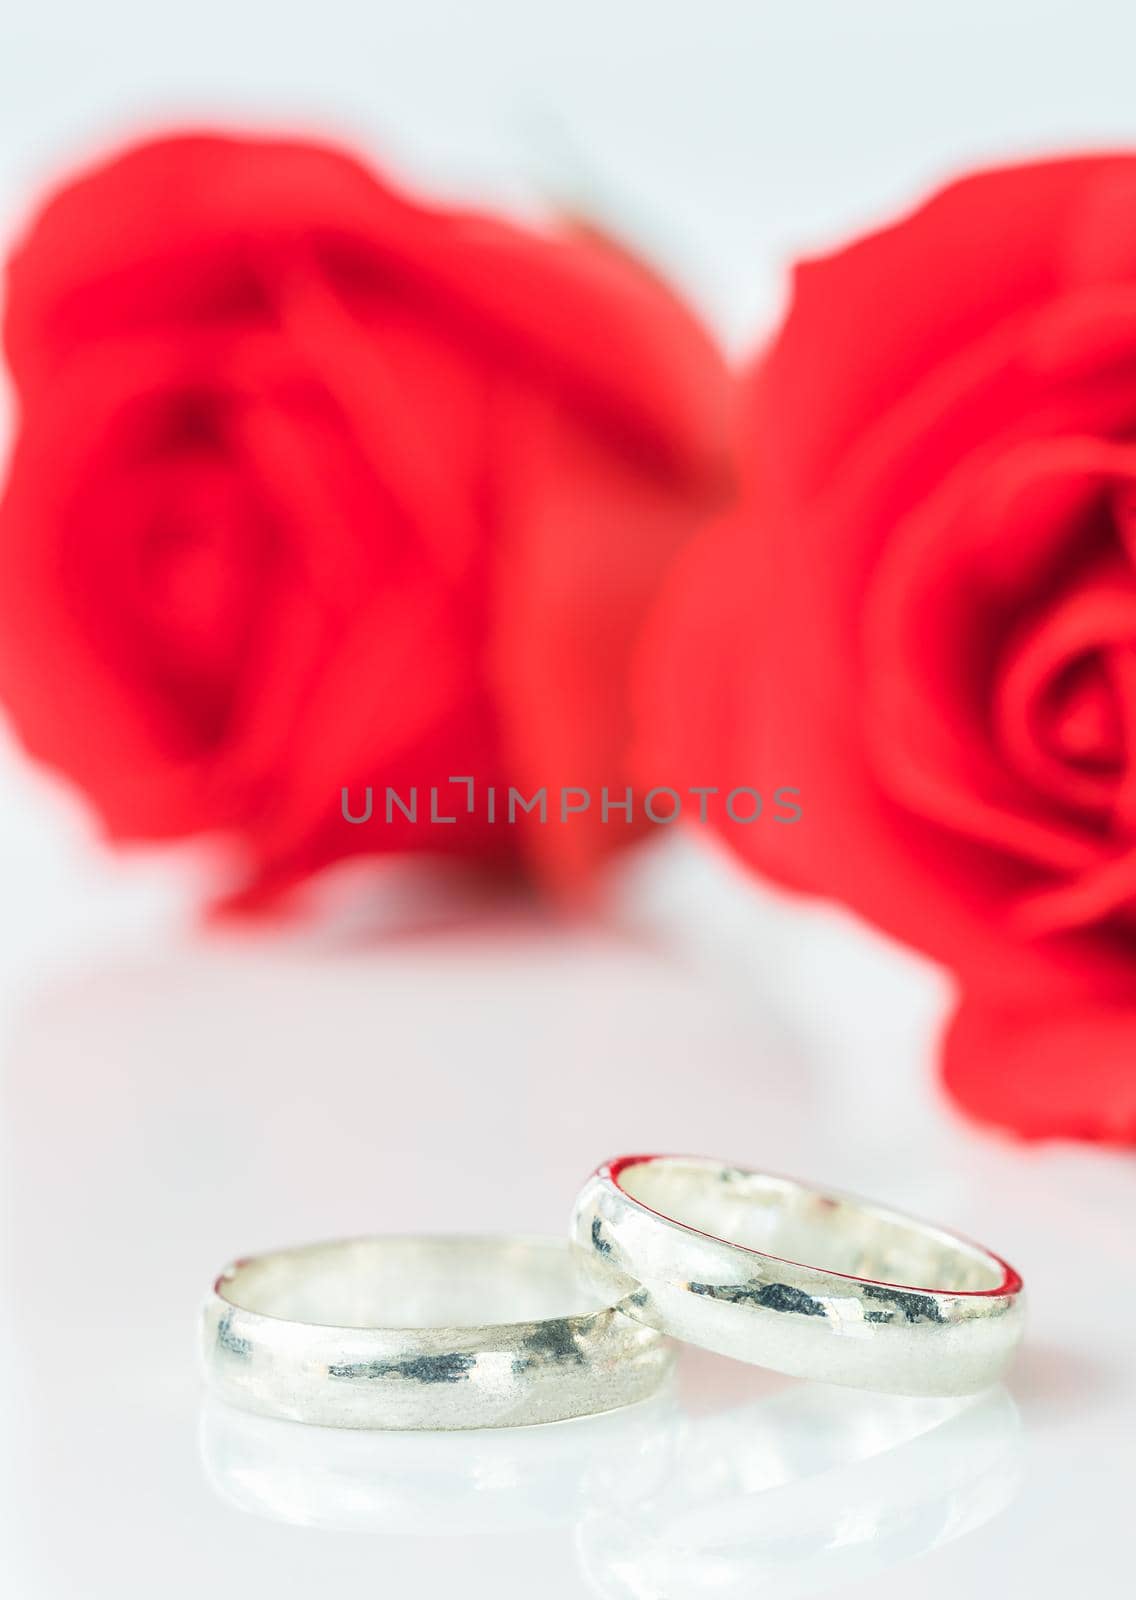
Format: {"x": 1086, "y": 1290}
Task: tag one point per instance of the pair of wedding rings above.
{"x": 440, "y": 1332}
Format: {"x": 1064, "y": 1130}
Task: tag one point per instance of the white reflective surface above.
{"x": 165, "y": 1112}
{"x": 800, "y": 1491}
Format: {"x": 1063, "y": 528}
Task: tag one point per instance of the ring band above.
{"x": 426, "y": 1332}
{"x": 807, "y": 1282}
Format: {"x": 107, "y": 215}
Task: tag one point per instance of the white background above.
{"x": 170, "y": 1100}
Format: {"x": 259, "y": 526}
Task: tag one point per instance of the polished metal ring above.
{"x": 426, "y": 1332}
{"x": 805, "y": 1281}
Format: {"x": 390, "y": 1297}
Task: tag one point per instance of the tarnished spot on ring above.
{"x": 419, "y": 1369}
{"x": 228, "y": 1340}
{"x": 913, "y": 1307}
{"x": 774, "y": 1296}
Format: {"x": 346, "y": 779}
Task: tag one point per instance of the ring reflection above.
{"x": 474, "y": 1481}
{"x": 802, "y": 1491}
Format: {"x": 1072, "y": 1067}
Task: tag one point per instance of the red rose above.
{"x": 317, "y": 487}
{"x": 924, "y": 615}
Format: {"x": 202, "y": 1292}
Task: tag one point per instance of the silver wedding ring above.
{"x": 801, "y": 1280}
{"x": 428, "y": 1332}
{"x": 439, "y": 1332}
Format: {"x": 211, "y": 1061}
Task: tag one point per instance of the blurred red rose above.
{"x": 924, "y": 615}
{"x": 316, "y": 486}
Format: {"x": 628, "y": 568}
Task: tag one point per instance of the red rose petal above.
{"x": 1061, "y": 1071}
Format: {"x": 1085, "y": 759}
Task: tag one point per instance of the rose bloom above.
{"x": 317, "y": 486}
{"x": 924, "y": 615}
